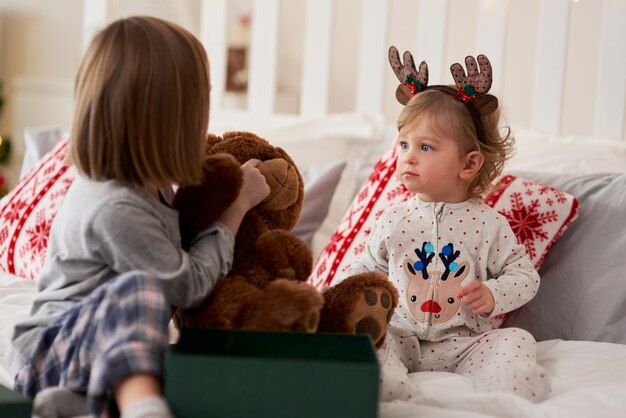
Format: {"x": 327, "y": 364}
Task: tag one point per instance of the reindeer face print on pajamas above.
{"x": 432, "y": 297}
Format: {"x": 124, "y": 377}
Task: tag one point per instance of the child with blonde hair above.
{"x": 455, "y": 261}
{"x": 114, "y": 266}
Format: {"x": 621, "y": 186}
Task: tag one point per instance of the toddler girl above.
{"x": 455, "y": 261}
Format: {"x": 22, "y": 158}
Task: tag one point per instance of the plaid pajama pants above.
{"x": 121, "y": 329}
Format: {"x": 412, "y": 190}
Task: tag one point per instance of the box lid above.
{"x": 284, "y": 345}
{"x": 14, "y": 405}
{"x": 233, "y": 373}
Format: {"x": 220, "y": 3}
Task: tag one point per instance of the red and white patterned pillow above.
{"x": 26, "y": 213}
{"x": 538, "y": 215}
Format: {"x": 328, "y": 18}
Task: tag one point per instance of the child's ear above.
{"x": 473, "y": 163}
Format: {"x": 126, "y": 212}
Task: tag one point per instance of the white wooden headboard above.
{"x": 559, "y": 65}
{"x": 554, "y": 74}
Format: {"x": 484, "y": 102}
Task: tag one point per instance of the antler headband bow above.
{"x": 472, "y": 88}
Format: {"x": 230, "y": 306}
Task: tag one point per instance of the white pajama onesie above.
{"x": 429, "y": 250}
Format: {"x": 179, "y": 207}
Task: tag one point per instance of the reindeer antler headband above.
{"x": 471, "y": 89}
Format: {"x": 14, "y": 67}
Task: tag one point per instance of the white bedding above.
{"x": 589, "y": 378}
{"x": 16, "y": 297}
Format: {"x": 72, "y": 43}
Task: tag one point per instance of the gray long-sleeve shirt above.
{"x": 104, "y": 229}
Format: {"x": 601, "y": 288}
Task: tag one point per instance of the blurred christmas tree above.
{"x": 5, "y": 153}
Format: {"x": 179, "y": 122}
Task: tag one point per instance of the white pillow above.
{"x": 37, "y": 143}
{"x": 544, "y": 153}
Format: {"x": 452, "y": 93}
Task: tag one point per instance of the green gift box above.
{"x": 228, "y": 373}
{"x": 14, "y": 405}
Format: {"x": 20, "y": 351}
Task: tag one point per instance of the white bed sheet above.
{"x": 16, "y": 298}
{"x": 589, "y": 378}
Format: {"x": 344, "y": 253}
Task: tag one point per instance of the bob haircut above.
{"x": 452, "y": 119}
{"x": 141, "y": 105}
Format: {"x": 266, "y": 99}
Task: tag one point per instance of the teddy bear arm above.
{"x": 284, "y": 255}
{"x": 223, "y": 308}
{"x": 200, "y": 205}
{"x": 284, "y": 305}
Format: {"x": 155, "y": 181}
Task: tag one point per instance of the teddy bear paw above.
{"x": 361, "y": 304}
{"x": 372, "y": 312}
{"x": 285, "y": 305}
{"x": 284, "y": 255}
{"x": 307, "y": 322}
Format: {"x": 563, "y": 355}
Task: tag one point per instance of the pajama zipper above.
{"x": 435, "y": 285}
{"x": 438, "y": 216}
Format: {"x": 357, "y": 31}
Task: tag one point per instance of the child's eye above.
{"x": 426, "y": 147}
{"x": 404, "y": 145}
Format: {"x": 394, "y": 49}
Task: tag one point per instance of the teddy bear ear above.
{"x": 212, "y": 139}
{"x": 243, "y": 134}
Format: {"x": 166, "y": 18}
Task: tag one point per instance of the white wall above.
{"x": 41, "y": 43}
{"x": 40, "y": 52}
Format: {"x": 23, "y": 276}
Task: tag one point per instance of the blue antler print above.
{"x": 425, "y": 256}
{"x": 448, "y": 255}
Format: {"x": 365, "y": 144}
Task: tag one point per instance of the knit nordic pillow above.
{"x": 26, "y": 213}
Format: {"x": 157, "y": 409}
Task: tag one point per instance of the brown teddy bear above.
{"x": 266, "y": 288}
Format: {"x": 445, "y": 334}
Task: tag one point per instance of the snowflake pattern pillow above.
{"x": 538, "y": 215}
{"x": 27, "y": 212}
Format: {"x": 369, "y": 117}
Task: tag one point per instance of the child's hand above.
{"x": 477, "y": 297}
{"x": 254, "y": 188}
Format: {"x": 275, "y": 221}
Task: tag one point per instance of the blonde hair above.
{"x": 141, "y": 104}
{"x": 452, "y": 118}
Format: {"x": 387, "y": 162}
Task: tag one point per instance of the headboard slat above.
{"x": 95, "y": 13}
{"x": 213, "y": 37}
{"x": 490, "y": 35}
{"x": 551, "y": 69}
{"x": 547, "y": 102}
{"x": 372, "y": 46}
{"x": 432, "y": 37}
{"x": 263, "y": 57}
{"x": 611, "y": 83}
{"x": 316, "y": 61}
